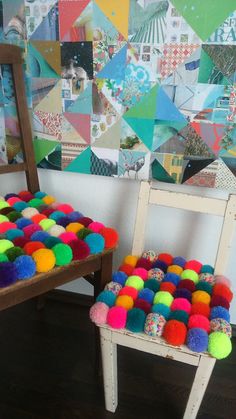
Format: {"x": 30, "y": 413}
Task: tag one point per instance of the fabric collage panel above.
{"x": 142, "y": 91}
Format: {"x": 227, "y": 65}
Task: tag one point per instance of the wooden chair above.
{"x": 96, "y": 269}
{"x": 110, "y": 338}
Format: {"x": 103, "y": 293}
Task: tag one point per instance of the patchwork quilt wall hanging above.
{"x": 135, "y": 89}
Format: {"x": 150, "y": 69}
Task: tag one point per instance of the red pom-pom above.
{"x": 37, "y": 218}
{"x": 144, "y": 263}
{"x": 132, "y": 292}
{"x": 85, "y": 221}
{"x": 127, "y": 269}
{"x": 26, "y": 196}
{"x": 194, "y": 265}
{"x": 20, "y": 241}
{"x": 66, "y": 208}
{"x": 199, "y": 321}
{"x": 175, "y": 332}
{"x": 143, "y": 305}
{"x": 48, "y": 211}
{"x": 188, "y": 284}
{"x": 201, "y": 308}
{"x": 167, "y": 286}
{"x": 6, "y": 225}
{"x": 223, "y": 291}
{"x": 31, "y": 229}
{"x": 110, "y": 236}
{"x": 216, "y": 300}
{"x": 166, "y": 257}
{"x": 31, "y": 247}
{"x": 80, "y": 249}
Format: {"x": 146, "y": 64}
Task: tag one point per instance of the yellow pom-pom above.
{"x": 175, "y": 269}
{"x": 74, "y": 227}
{"x": 131, "y": 260}
{"x": 45, "y": 260}
{"x": 201, "y": 297}
{"x": 125, "y": 301}
{"x": 48, "y": 199}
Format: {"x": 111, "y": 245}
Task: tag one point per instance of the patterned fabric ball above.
{"x": 150, "y": 255}
{"x": 156, "y": 273}
{"x": 115, "y": 287}
{"x": 221, "y": 325}
{"x": 207, "y": 277}
{"x": 154, "y": 324}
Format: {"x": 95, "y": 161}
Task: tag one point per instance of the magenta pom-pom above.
{"x": 68, "y": 237}
{"x": 144, "y": 263}
{"x": 143, "y": 273}
{"x": 116, "y": 317}
{"x": 95, "y": 226}
{"x": 31, "y": 229}
{"x": 181, "y": 304}
{"x": 66, "y": 208}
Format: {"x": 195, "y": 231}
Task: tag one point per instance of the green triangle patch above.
{"x": 144, "y": 129}
{"x": 81, "y": 164}
{"x": 146, "y": 107}
{"x": 42, "y": 148}
{"x": 209, "y": 72}
{"x": 159, "y": 173}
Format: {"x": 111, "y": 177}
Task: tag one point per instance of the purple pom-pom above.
{"x": 161, "y": 265}
{"x": 183, "y": 293}
{"x": 178, "y": 260}
{"x": 10, "y": 195}
{"x": 64, "y": 221}
{"x": 197, "y": 340}
{"x": 74, "y": 216}
{"x": 8, "y": 274}
{"x": 25, "y": 267}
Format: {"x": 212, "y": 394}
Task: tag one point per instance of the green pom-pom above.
{"x": 204, "y": 286}
{"x": 14, "y": 252}
{"x": 35, "y": 202}
{"x": 3, "y": 257}
{"x": 135, "y": 281}
{"x": 84, "y": 232}
{"x": 180, "y": 315}
{"x": 51, "y": 242}
{"x": 219, "y": 345}
{"x": 5, "y": 245}
{"x": 135, "y": 320}
{"x": 3, "y": 218}
{"x": 63, "y": 254}
{"x": 161, "y": 309}
{"x": 152, "y": 284}
{"x": 4, "y": 204}
{"x": 47, "y": 223}
{"x": 163, "y": 297}
{"x": 14, "y": 215}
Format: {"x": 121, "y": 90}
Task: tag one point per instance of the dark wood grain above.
{"x": 12, "y": 168}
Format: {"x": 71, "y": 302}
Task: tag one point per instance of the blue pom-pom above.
{"x": 74, "y": 216}
{"x": 20, "y": 206}
{"x": 56, "y": 215}
{"x": 13, "y": 234}
{"x": 161, "y": 265}
{"x": 107, "y": 297}
{"x": 10, "y": 195}
{"x": 119, "y": 277}
{"x": 171, "y": 277}
{"x": 25, "y": 267}
{"x": 63, "y": 221}
{"x": 197, "y": 339}
{"x": 161, "y": 309}
{"x": 95, "y": 242}
{"x": 40, "y": 236}
{"x": 23, "y": 222}
{"x": 40, "y": 194}
{"x": 146, "y": 294}
{"x": 220, "y": 312}
{"x": 8, "y": 274}
{"x": 178, "y": 260}
{"x": 183, "y": 293}
{"x": 135, "y": 320}
{"x": 207, "y": 269}
{"x": 152, "y": 284}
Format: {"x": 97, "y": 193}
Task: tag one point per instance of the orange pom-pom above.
{"x": 37, "y": 218}
{"x": 175, "y": 332}
{"x": 111, "y": 237}
{"x": 223, "y": 291}
{"x": 167, "y": 286}
{"x": 74, "y": 227}
{"x": 48, "y": 199}
{"x": 201, "y": 308}
{"x": 125, "y": 301}
{"x": 201, "y": 297}
{"x": 131, "y": 260}
{"x": 175, "y": 269}
{"x": 128, "y": 269}
{"x": 31, "y": 247}
{"x": 45, "y": 260}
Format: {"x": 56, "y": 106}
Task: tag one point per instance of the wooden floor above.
{"x": 47, "y": 372}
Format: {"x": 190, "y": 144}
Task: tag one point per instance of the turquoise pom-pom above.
{"x": 95, "y": 242}
{"x": 207, "y": 269}
{"x": 52, "y": 241}
{"x": 180, "y": 315}
{"x": 107, "y": 297}
{"x": 135, "y": 320}
{"x": 152, "y": 284}
{"x": 161, "y": 309}
{"x": 204, "y": 286}
{"x": 20, "y": 206}
{"x": 40, "y": 194}
{"x": 56, "y": 215}
{"x": 13, "y": 234}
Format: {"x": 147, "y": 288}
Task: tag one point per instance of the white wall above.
{"x": 113, "y": 201}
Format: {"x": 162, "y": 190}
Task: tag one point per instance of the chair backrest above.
{"x": 225, "y": 208}
{"x": 12, "y": 55}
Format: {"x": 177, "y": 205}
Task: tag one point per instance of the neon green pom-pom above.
{"x": 4, "y": 204}
{"x": 135, "y": 281}
{"x": 47, "y": 223}
{"x": 5, "y": 245}
{"x": 163, "y": 297}
{"x": 219, "y": 345}
{"x": 35, "y": 202}
{"x": 63, "y": 254}
{"x": 190, "y": 274}
{"x": 3, "y": 218}
{"x": 3, "y": 258}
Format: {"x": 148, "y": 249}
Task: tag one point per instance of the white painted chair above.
{"x": 110, "y": 338}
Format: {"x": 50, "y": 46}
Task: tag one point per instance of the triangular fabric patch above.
{"x": 159, "y": 173}
{"x": 81, "y": 164}
{"x": 195, "y": 166}
{"x": 41, "y": 88}
{"x": 211, "y": 134}
{"x": 209, "y": 72}
{"x": 144, "y": 129}
{"x": 81, "y": 123}
{"x": 51, "y": 52}
{"x": 224, "y": 56}
{"x": 39, "y": 67}
{"x": 69, "y": 134}
{"x": 115, "y": 68}
{"x": 52, "y": 101}
{"x": 110, "y": 138}
{"x": 33, "y": 25}
{"x": 166, "y": 109}
{"x": 83, "y": 104}
{"x": 48, "y": 25}
{"x": 117, "y": 13}
{"x": 164, "y": 130}
{"x": 146, "y": 107}
{"x": 42, "y": 148}
{"x": 67, "y": 15}
{"x": 82, "y": 28}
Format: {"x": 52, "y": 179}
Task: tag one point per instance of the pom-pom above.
{"x": 3, "y": 219}
{"x": 146, "y": 294}
{"x": 19, "y": 206}
{"x": 47, "y": 211}
{"x": 83, "y": 233}
{"x": 187, "y": 284}
{"x": 67, "y": 237}
{"x": 85, "y": 221}
{"x": 143, "y": 305}
{"x": 63, "y": 254}
{"x": 120, "y": 277}
{"x": 125, "y": 301}
{"x": 201, "y": 297}
{"x": 98, "y": 313}
{"x": 44, "y": 259}
{"x": 40, "y": 194}
{"x": 95, "y": 242}
{"x": 152, "y": 284}
{"x": 166, "y": 258}
{"x": 180, "y": 315}
{"x": 14, "y": 252}
{"x": 38, "y": 217}
{"x": 14, "y": 233}
{"x": 206, "y": 277}
{"x": 23, "y": 222}
{"x": 31, "y": 247}
{"x": 190, "y": 274}
{"x": 20, "y": 241}
{"x": 49, "y": 200}
{"x": 117, "y": 317}
{"x": 163, "y": 297}
{"x": 80, "y": 249}
{"x": 220, "y": 312}
{"x": 74, "y": 227}
{"x": 144, "y": 263}
{"x": 223, "y": 291}
{"x": 167, "y": 286}
{"x": 135, "y": 281}
{"x": 25, "y": 267}
{"x": 40, "y": 236}
{"x": 135, "y": 320}
{"x": 95, "y": 226}
{"x": 14, "y": 215}
{"x": 66, "y": 208}
{"x": 30, "y": 230}
{"x": 219, "y": 345}
{"x": 197, "y": 340}
{"x": 156, "y": 273}
{"x": 207, "y": 269}
{"x": 150, "y": 255}
{"x": 63, "y": 221}
{"x": 181, "y": 304}
{"x": 47, "y": 223}
{"x": 199, "y": 321}
{"x": 220, "y": 279}
{"x": 6, "y": 210}
{"x": 56, "y": 215}
{"x": 216, "y": 300}
{"x": 5, "y": 226}
{"x": 179, "y": 260}
{"x": 75, "y": 216}
{"x": 175, "y": 332}
{"x": 115, "y": 287}
{"x": 110, "y": 235}
{"x": 175, "y": 269}
{"x": 161, "y": 265}
{"x": 183, "y": 293}
{"x": 50, "y": 242}
{"x": 204, "y": 286}
{"x": 107, "y": 297}
{"x": 161, "y": 309}
{"x": 131, "y": 291}
{"x": 170, "y": 277}
{"x": 201, "y": 308}
{"x": 130, "y": 260}
{"x": 56, "y": 230}
{"x": 8, "y": 274}
{"x": 35, "y": 202}
{"x": 221, "y": 325}
{"x": 3, "y": 257}
{"x": 25, "y": 196}
{"x": 4, "y": 204}
{"x": 193, "y": 265}
{"x": 9, "y": 195}
{"x": 29, "y": 212}
{"x": 5, "y": 245}
{"x": 154, "y": 324}
{"x": 143, "y": 273}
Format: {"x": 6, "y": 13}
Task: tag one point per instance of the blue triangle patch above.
{"x": 83, "y": 104}
{"x": 115, "y": 69}
{"x": 166, "y": 109}
{"x": 144, "y": 129}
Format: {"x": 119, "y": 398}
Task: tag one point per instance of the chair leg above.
{"x": 201, "y": 379}
{"x": 40, "y": 302}
{"x": 104, "y": 275}
{"x": 109, "y": 366}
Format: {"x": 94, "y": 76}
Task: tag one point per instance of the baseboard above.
{"x": 70, "y": 297}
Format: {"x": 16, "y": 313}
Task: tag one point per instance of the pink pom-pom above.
{"x": 66, "y": 208}
{"x": 95, "y": 226}
{"x": 221, "y": 279}
{"x": 181, "y": 304}
{"x": 55, "y": 205}
{"x": 6, "y": 225}
{"x": 143, "y": 273}
{"x": 116, "y": 317}
{"x": 31, "y": 229}
{"x": 67, "y": 237}
{"x": 194, "y": 265}
{"x": 11, "y": 201}
{"x": 199, "y": 321}
{"x": 98, "y": 313}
